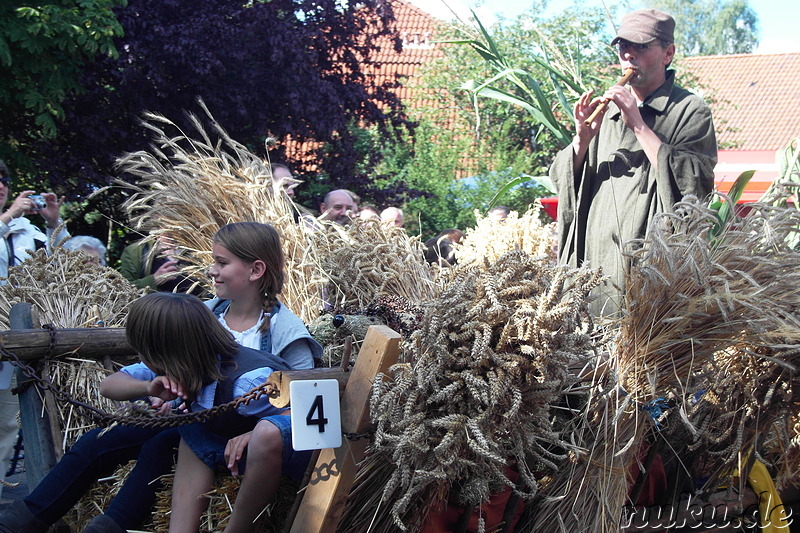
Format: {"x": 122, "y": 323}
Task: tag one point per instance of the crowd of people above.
{"x": 653, "y": 144}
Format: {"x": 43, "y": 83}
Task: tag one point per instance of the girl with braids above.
{"x": 247, "y": 277}
{"x": 248, "y": 274}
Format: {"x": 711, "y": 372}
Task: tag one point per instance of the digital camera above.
{"x": 39, "y": 202}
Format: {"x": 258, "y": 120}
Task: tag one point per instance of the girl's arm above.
{"x": 123, "y": 386}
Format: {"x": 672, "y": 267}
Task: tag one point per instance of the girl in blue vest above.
{"x": 205, "y": 447}
{"x": 248, "y": 273}
{"x": 204, "y": 367}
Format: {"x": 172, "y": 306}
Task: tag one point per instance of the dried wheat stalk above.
{"x": 786, "y": 455}
{"x": 491, "y": 238}
{"x": 718, "y": 314}
{"x": 589, "y": 489}
{"x": 690, "y": 298}
{"x": 491, "y": 356}
{"x": 189, "y": 186}
{"x": 367, "y": 261}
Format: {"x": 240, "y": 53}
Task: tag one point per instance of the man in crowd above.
{"x": 340, "y": 206}
{"x": 498, "y": 212}
{"x": 19, "y": 238}
{"x": 282, "y": 178}
{"x": 368, "y": 212}
{"x": 392, "y": 216}
{"x": 654, "y": 144}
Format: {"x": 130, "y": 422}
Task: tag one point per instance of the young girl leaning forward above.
{"x": 195, "y": 358}
{"x": 248, "y": 269}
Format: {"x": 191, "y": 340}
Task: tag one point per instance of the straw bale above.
{"x": 97, "y": 498}
{"x": 69, "y": 291}
{"x": 221, "y": 498}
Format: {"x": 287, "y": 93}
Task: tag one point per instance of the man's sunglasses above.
{"x": 624, "y": 46}
{"x": 5, "y": 180}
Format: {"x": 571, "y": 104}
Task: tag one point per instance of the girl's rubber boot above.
{"x": 103, "y": 524}
{"x": 17, "y": 518}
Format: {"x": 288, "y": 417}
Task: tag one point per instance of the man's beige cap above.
{"x": 644, "y": 25}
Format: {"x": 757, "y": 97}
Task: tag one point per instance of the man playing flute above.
{"x": 652, "y": 145}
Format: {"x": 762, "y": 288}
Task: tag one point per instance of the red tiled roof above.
{"x": 755, "y": 95}
{"x": 386, "y": 65}
{"x": 416, "y": 30}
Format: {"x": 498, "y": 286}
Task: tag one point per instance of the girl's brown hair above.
{"x": 252, "y": 241}
{"x": 177, "y": 335}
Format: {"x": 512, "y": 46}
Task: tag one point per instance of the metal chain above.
{"x": 51, "y": 348}
{"x": 358, "y": 436}
{"x": 104, "y": 418}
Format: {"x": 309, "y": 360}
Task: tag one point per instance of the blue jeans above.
{"x": 94, "y": 456}
{"x": 209, "y": 447}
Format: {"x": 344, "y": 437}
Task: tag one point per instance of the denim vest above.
{"x": 231, "y": 423}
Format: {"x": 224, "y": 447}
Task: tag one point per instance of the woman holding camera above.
{"x": 21, "y": 236}
{"x": 19, "y": 239}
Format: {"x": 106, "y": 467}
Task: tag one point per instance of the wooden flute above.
{"x": 626, "y": 77}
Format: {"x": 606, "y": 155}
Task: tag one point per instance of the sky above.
{"x": 778, "y": 19}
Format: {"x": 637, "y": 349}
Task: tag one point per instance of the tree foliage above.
{"x": 489, "y": 140}
{"x": 43, "y": 48}
{"x": 712, "y": 27}
{"x": 263, "y": 68}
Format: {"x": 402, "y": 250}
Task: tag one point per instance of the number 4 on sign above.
{"x": 316, "y": 417}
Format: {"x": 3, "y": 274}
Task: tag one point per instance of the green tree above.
{"x": 425, "y": 167}
{"x": 465, "y": 149}
{"x": 43, "y": 48}
{"x": 565, "y": 52}
{"x": 711, "y": 27}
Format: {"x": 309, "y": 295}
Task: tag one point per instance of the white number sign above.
{"x": 316, "y": 417}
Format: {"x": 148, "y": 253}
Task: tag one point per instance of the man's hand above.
{"x": 166, "y": 272}
{"x": 235, "y": 450}
{"x": 628, "y": 106}
{"x": 22, "y": 205}
{"x": 166, "y": 389}
{"x": 585, "y": 133}
{"x": 632, "y": 117}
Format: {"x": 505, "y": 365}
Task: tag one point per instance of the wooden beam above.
{"x": 332, "y": 478}
{"x": 282, "y": 378}
{"x": 95, "y": 343}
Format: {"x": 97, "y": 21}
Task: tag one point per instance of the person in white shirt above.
{"x": 19, "y": 238}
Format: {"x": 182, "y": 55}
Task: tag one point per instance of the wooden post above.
{"x": 332, "y": 478}
{"x": 39, "y": 425}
